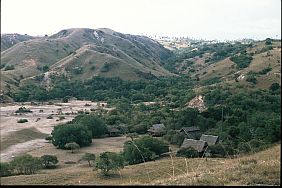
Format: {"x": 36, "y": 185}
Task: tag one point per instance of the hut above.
{"x": 210, "y": 139}
{"x": 112, "y": 131}
{"x": 191, "y": 132}
{"x": 157, "y": 130}
{"x": 198, "y": 145}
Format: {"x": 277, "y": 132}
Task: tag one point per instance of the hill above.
{"x": 81, "y": 53}
{"x": 9, "y": 40}
{"x": 262, "y": 168}
{"x": 216, "y": 63}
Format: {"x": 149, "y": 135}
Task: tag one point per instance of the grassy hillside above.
{"x": 262, "y": 168}
{"x": 8, "y": 40}
{"x": 212, "y": 63}
{"x": 83, "y": 53}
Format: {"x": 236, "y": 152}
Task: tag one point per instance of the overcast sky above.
{"x": 206, "y": 19}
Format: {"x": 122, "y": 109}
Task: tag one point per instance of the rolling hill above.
{"x": 81, "y": 53}
{"x": 9, "y": 40}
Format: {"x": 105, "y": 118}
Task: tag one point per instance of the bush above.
{"x": 187, "y": 152}
{"x": 93, "y": 124}
{"x": 143, "y": 149}
{"x": 49, "y": 138}
{"x": 268, "y": 41}
{"x": 242, "y": 60}
{"x": 252, "y": 79}
{"x": 109, "y": 161}
{"x": 26, "y": 164}
{"x": 217, "y": 150}
{"x": 23, "y": 110}
{"x": 5, "y": 169}
{"x": 49, "y": 117}
{"x": 66, "y": 133}
{"x": 9, "y": 67}
{"x": 89, "y": 157}
{"x": 49, "y": 161}
{"x": 72, "y": 146}
{"x": 22, "y": 121}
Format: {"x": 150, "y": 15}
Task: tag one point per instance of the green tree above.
{"x": 26, "y": 164}
{"x": 67, "y": 133}
{"x": 72, "y": 146}
{"x": 143, "y": 149}
{"x": 93, "y": 123}
{"x": 5, "y": 169}
{"x": 89, "y": 157}
{"x": 49, "y": 161}
{"x": 109, "y": 161}
{"x": 187, "y": 152}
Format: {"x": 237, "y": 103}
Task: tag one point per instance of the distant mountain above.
{"x": 9, "y": 40}
{"x": 81, "y": 53}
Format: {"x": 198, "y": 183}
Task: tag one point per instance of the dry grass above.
{"x": 20, "y": 137}
{"x": 260, "y": 168}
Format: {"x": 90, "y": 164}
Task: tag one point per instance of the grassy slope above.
{"x": 226, "y": 69}
{"x": 259, "y": 168}
{"x": 131, "y": 53}
{"x": 20, "y": 137}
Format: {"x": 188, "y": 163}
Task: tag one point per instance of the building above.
{"x": 210, "y": 139}
{"x": 112, "y": 131}
{"x": 198, "y": 145}
{"x": 191, "y": 132}
{"x": 157, "y": 130}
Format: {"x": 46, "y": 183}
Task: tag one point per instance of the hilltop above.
{"x": 81, "y": 53}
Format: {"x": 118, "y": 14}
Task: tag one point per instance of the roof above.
{"x": 198, "y": 145}
{"x": 190, "y": 129}
{"x": 157, "y": 128}
{"x": 210, "y": 139}
{"x": 112, "y": 129}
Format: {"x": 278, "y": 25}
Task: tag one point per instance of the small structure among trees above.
{"x": 112, "y": 131}
{"x": 191, "y": 132}
{"x": 198, "y": 145}
{"x": 157, "y": 130}
{"x": 210, "y": 139}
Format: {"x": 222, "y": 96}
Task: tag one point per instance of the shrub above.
{"x": 49, "y": 138}
{"x": 217, "y": 150}
{"x": 49, "y": 117}
{"x": 93, "y": 124}
{"x": 65, "y": 100}
{"x": 187, "y": 152}
{"x": 242, "y": 60}
{"x": 5, "y": 169}
{"x": 26, "y": 164}
{"x": 9, "y": 67}
{"x": 252, "y": 79}
{"x": 72, "y": 146}
{"x": 109, "y": 161}
{"x": 268, "y": 41}
{"x": 143, "y": 149}
{"x": 66, "y": 133}
{"x": 23, "y": 110}
{"x": 49, "y": 161}
{"x": 22, "y": 121}
{"x": 89, "y": 157}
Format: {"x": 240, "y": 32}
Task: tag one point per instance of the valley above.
{"x": 99, "y": 92}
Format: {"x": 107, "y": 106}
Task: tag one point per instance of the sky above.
{"x": 198, "y": 19}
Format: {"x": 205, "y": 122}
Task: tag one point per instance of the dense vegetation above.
{"x": 143, "y": 149}
{"x": 215, "y": 52}
{"x": 249, "y": 115}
